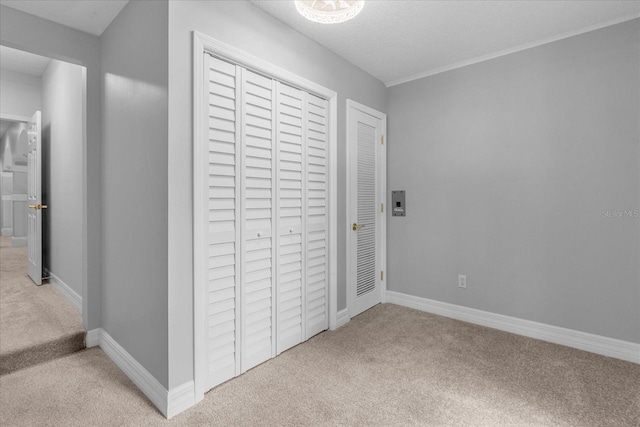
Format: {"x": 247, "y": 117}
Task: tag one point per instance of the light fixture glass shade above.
{"x": 329, "y": 11}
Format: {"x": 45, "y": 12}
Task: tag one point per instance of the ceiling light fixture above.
{"x": 329, "y": 11}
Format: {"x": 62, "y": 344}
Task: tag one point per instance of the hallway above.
{"x": 37, "y": 324}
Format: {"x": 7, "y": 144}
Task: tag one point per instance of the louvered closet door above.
{"x": 367, "y": 203}
{"x": 316, "y": 131}
{"x": 267, "y": 212}
{"x": 258, "y": 301}
{"x": 291, "y": 159}
{"x": 223, "y": 207}
{"x": 366, "y": 270}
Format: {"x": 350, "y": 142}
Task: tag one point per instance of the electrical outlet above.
{"x": 462, "y": 281}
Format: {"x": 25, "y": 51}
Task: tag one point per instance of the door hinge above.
{"x": 381, "y": 139}
{"x": 382, "y": 275}
{"x": 382, "y": 207}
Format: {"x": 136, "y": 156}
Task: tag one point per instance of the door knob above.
{"x": 357, "y": 227}
{"x": 38, "y": 207}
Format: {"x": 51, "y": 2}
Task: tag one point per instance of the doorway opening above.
{"x": 42, "y": 322}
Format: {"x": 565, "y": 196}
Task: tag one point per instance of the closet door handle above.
{"x": 357, "y": 227}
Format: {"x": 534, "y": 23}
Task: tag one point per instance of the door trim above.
{"x": 204, "y": 44}
{"x": 382, "y": 232}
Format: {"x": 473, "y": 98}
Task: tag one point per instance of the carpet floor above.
{"x": 389, "y": 366}
{"x": 37, "y": 324}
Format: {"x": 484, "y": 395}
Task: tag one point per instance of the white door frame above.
{"x": 204, "y": 44}
{"x": 381, "y": 242}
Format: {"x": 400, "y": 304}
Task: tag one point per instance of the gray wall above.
{"x": 32, "y": 34}
{"x": 247, "y": 27}
{"x": 21, "y": 93}
{"x": 508, "y": 166}
{"x": 62, "y": 104}
{"x": 134, "y": 183}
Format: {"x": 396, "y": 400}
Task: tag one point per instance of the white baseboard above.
{"x": 135, "y": 371}
{"x": 343, "y": 318}
{"x": 93, "y": 338}
{"x": 581, "y": 340}
{"x": 65, "y": 290}
{"x": 18, "y": 242}
{"x": 170, "y": 403}
{"x": 181, "y": 398}
{"x": 6, "y": 231}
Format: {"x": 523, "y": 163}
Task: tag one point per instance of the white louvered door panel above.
{"x": 258, "y": 237}
{"x": 316, "y": 251}
{"x": 223, "y": 207}
{"x": 292, "y": 212}
{"x": 366, "y": 269}
{"x": 366, "y": 209}
{"x": 267, "y": 214}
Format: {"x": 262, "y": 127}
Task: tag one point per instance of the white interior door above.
{"x": 367, "y": 182}
{"x": 221, "y": 204}
{"x": 34, "y": 198}
{"x": 302, "y": 140}
{"x": 257, "y": 182}
{"x": 263, "y": 225}
{"x": 292, "y": 212}
{"x": 317, "y": 214}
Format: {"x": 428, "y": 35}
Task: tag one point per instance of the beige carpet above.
{"x": 389, "y": 366}
{"x": 37, "y": 324}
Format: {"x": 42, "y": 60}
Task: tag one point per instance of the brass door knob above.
{"x": 38, "y": 207}
{"x": 357, "y": 227}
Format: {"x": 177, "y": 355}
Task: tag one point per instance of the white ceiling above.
{"x": 398, "y": 40}
{"x": 90, "y": 16}
{"x": 23, "y": 62}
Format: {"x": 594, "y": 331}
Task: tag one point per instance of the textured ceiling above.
{"x": 397, "y": 40}
{"x": 90, "y": 16}
{"x": 23, "y": 62}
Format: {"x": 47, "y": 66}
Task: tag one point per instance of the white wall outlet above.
{"x": 462, "y": 281}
